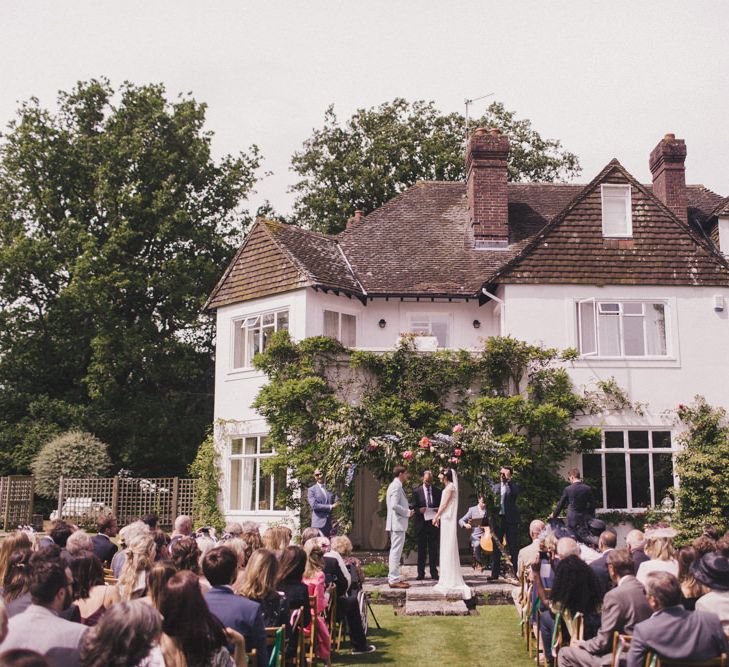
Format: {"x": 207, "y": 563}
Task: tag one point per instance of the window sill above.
{"x": 627, "y": 362}
{"x": 261, "y": 513}
{"x": 242, "y": 373}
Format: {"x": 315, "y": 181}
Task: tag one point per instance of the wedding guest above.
{"x": 322, "y": 503}
{"x": 233, "y": 529}
{"x": 260, "y": 586}
{"x": 608, "y": 541}
{"x": 691, "y": 590}
{"x": 60, "y": 532}
{"x": 635, "y": 541}
{"x": 342, "y": 545}
{"x": 234, "y": 611}
{"x": 161, "y": 542}
{"x": 713, "y": 572}
{"x": 506, "y": 523}
{"x": 205, "y": 538}
{"x": 22, "y": 657}
{"x": 309, "y": 534}
{"x": 126, "y": 535}
{"x": 152, "y": 520}
{"x": 16, "y": 541}
{"x": 185, "y": 554}
{"x": 127, "y": 636}
{"x": 91, "y": 595}
{"x": 104, "y": 548}
{"x": 276, "y": 539}
{"x": 78, "y": 542}
{"x": 579, "y": 500}
{"x": 659, "y": 546}
{"x": 672, "y": 631}
{"x": 16, "y": 584}
{"x": 722, "y": 545}
{"x": 315, "y": 580}
{"x": 182, "y": 528}
{"x": 252, "y": 537}
{"x": 4, "y": 619}
{"x": 703, "y": 545}
{"x": 160, "y": 573}
{"x": 623, "y": 607}
{"x": 238, "y": 546}
{"x": 528, "y": 553}
{"x": 290, "y": 583}
{"x": 139, "y": 558}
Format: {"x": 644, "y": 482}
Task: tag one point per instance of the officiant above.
{"x": 426, "y": 499}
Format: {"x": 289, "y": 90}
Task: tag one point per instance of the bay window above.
{"x": 431, "y": 324}
{"x": 251, "y": 489}
{"x": 252, "y": 335}
{"x": 341, "y": 326}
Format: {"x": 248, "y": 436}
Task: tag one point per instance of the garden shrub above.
{"x": 205, "y": 468}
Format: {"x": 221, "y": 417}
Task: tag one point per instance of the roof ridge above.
{"x": 298, "y": 228}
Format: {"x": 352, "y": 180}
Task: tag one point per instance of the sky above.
{"x": 608, "y": 79}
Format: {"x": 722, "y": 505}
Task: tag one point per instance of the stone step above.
{"x": 440, "y": 607}
{"x": 427, "y": 594}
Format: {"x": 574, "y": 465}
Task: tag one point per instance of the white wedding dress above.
{"x": 450, "y": 581}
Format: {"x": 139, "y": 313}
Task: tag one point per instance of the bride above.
{"x": 451, "y": 581}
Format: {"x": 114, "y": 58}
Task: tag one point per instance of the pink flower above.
{"x": 457, "y": 428}
{"x": 453, "y": 459}
{"x": 457, "y": 452}
{"x": 407, "y": 455}
{"x": 424, "y": 443}
{"x": 372, "y": 446}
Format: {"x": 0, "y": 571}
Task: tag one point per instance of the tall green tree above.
{"x": 115, "y": 223}
{"x": 377, "y": 153}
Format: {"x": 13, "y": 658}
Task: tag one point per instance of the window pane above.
{"x": 609, "y": 331}
{"x": 440, "y": 331}
{"x": 655, "y": 325}
{"x": 615, "y": 212}
{"x": 662, "y": 475}
{"x": 250, "y": 446}
{"x": 617, "y": 496}
{"x": 264, "y": 489}
{"x": 640, "y": 480}
{"x": 236, "y": 446}
{"x": 592, "y": 472}
{"x": 349, "y": 330}
{"x": 420, "y": 326}
{"x": 254, "y": 344}
{"x": 265, "y": 447}
{"x": 268, "y": 320}
{"x": 638, "y": 439}
{"x": 279, "y": 484}
{"x": 331, "y": 324}
{"x": 608, "y": 308}
{"x": 249, "y": 484}
{"x": 614, "y": 439}
{"x": 633, "y": 308}
{"x": 661, "y": 439}
{"x": 633, "y": 336}
{"x": 239, "y": 348}
{"x": 267, "y": 332}
{"x": 235, "y": 483}
{"x": 282, "y": 320}
{"x": 587, "y": 333}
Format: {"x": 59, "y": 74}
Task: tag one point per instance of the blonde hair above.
{"x": 241, "y": 550}
{"x": 139, "y": 558}
{"x": 314, "y": 558}
{"x": 12, "y": 543}
{"x": 660, "y": 548}
{"x": 276, "y": 538}
{"x": 260, "y": 576}
{"x": 342, "y": 545}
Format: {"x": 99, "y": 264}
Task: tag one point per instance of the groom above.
{"x": 398, "y": 513}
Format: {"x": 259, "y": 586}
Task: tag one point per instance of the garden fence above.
{"x": 83, "y": 500}
{"x": 16, "y": 501}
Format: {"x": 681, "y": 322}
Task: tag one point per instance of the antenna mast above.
{"x": 468, "y": 102}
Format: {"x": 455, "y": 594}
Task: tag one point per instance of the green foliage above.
{"x": 205, "y": 468}
{"x": 703, "y": 494}
{"x": 115, "y": 222}
{"x": 73, "y": 454}
{"x": 379, "y": 152}
{"x": 375, "y": 569}
{"x": 511, "y": 402}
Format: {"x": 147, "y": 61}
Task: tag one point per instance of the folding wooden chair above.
{"x": 252, "y": 658}
{"x": 276, "y": 641}
{"x": 310, "y": 652}
{"x": 652, "y": 660}
{"x": 538, "y": 636}
{"x": 297, "y": 634}
{"x": 621, "y": 645}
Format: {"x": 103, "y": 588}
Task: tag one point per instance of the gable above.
{"x": 259, "y": 268}
{"x": 572, "y": 250}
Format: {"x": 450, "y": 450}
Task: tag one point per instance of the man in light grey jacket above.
{"x": 39, "y": 627}
{"x": 398, "y": 513}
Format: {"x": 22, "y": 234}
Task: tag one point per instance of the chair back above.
{"x": 621, "y": 645}
{"x": 276, "y": 639}
{"x": 653, "y": 660}
{"x": 310, "y": 655}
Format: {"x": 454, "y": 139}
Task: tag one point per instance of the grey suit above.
{"x": 40, "y": 629}
{"x": 678, "y": 634}
{"x": 622, "y": 608}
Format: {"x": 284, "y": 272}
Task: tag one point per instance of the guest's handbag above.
{"x": 487, "y": 542}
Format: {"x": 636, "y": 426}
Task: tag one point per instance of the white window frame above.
{"x": 258, "y": 476}
{"x": 627, "y": 452}
{"x": 621, "y": 315}
{"x": 339, "y": 315}
{"x": 610, "y": 191}
{"x": 240, "y": 322}
{"x": 447, "y": 317}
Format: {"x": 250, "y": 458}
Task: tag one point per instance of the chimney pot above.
{"x": 494, "y": 131}
{"x": 669, "y": 174}
{"x": 670, "y": 136}
{"x": 479, "y": 131}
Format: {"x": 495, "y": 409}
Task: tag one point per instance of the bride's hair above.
{"x": 447, "y": 473}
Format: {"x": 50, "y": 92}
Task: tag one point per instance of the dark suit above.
{"x": 241, "y": 614}
{"x": 104, "y": 548}
{"x": 321, "y": 501}
{"x": 578, "y": 499}
{"x": 639, "y": 556}
{"x": 427, "y": 535}
{"x": 600, "y": 568}
{"x": 506, "y": 520}
{"x": 623, "y": 607}
{"x": 677, "y": 634}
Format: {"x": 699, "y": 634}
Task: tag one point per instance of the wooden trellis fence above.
{"x": 83, "y": 500}
{"x": 16, "y": 501}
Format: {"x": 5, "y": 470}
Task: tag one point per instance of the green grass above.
{"x": 375, "y": 570}
{"x": 490, "y": 639}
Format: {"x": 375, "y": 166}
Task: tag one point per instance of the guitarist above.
{"x": 477, "y": 521}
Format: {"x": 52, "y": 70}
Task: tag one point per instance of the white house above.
{"x": 631, "y": 275}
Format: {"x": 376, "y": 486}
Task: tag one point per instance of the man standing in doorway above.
{"x": 398, "y": 513}
{"x": 322, "y": 504}
{"x": 426, "y": 499}
{"x": 507, "y": 520}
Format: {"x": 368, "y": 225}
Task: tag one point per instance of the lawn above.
{"x": 491, "y": 638}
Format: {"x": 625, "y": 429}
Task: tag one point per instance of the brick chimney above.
{"x": 669, "y": 174}
{"x": 486, "y": 184}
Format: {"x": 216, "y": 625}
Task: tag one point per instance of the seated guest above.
{"x": 232, "y": 530}
{"x": 576, "y": 589}
{"x": 192, "y": 634}
{"x": 635, "y": 541}
{"x": 607, "y": 542}
{"x": 104, "y": 548}
{"x": 722, "y": 545}
{"x": 241, "y": 552}
{"x": 704, "y": 545}
{"x": 185, "y": 554}
{"x": 342, "y": 545}
{"x": 623, "y": 607}
{"x": 233, "y": 611}
{"x": 22, "y": 657}
{"x": 309, "y": 534}
{"x": 91, "y": 595}
{"x": 691, "y": 590}
{"x": 659, "y": 546}
{"x": 276, "y": 539}
{"x": 315, "y": 580}
{"x": 16, "y": 583}
{"x": 39, "y": 627}
{"x": 259, "y": 585}
{"x": 290, "y": 575}
{"x": 161, "y": 542}
{"x": 182, "y": 528}
{"x": 126, "y": 535}
{"x": 139, "y": 558}
{"x": 160, "y": 573}
{"x": 251, "y": 535}
{"x": 128, "y": 634}
{"x": 78, "y": 542}
{"x": 528, "y": 553}
{"x": 152, "y": 520}
{"x": 713, "y": 572}
{"x": 58, "y": 534}
{"x": 673, "y": 632}
{"x": 205, "y": 538}
{"x": 17, "y": 541}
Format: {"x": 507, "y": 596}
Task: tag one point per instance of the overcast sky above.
{"x": 607, "y": 78}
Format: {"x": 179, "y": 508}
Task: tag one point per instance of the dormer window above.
{"x": 617, "y": 221}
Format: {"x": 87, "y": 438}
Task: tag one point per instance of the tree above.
{"x": 115, "y": 224}
{"x": 380, "y": 151}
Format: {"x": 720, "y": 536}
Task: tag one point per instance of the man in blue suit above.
{"x": 506, "y": 521}
{"x": 233, "y": 611}
{"x": 322, "y": 504}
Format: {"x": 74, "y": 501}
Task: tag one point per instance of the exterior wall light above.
{"x": 382, "y": 324}
{"x": 476, "y": 324}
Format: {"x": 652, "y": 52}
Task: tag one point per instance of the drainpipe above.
{"x": 502, "y": 319}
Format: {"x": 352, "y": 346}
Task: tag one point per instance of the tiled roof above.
{"x": 420, "y": 243}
